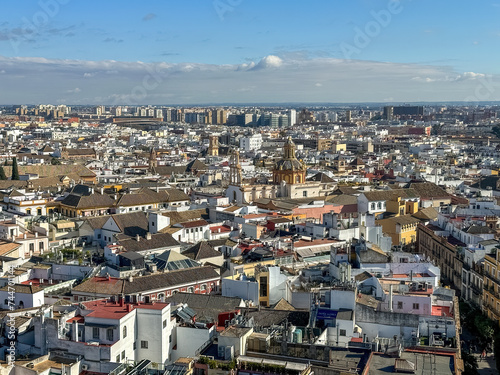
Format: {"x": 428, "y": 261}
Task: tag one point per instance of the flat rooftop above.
{"x": 425, "y": 363}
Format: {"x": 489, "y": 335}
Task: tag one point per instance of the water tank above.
{"x": 297, "y": 336}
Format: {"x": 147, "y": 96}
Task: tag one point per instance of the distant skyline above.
{"x": 242, "y": 51}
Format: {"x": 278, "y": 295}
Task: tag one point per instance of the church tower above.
{"x": 289, "y": 169}
{"x": 213, "y": 147}
{"x": 235, "y": 168}
{"x": 153, "y": 162}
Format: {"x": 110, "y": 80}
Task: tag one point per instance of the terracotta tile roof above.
{"x": 202, "y": 250}
{"x": 157, "y": 241}
{"x": 193, "y": 223}
{"x": 88, "y": 201}
{"x": 22, "y": 288}
{"x": 183, "y": 216}
{"x": 7, "y": 247}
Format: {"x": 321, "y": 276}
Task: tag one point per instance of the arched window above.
{"x": 190, "y": 289}
{"x": 161, "y": 297}
{"x": 203, "y": 287}
{"x": 124, "y": 332}
{"x": 28, "y": 211}
{"x": 379, "y": 205}
{"x": 373, "y": 206}
{"x": 21, "y": 304}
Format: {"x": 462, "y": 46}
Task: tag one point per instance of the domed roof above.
{"x": 289, "y": 165}
{"x": 289, "y": 162}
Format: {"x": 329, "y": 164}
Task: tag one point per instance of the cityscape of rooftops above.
{"x": 235, "y": 187}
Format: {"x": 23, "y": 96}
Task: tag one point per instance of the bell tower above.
{"x": 153, "y": 162}
{"x": 213, "y": 147}
{"x": 235, "y": 168}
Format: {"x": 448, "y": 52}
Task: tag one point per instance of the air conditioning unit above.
{"x": 85, "y": 367}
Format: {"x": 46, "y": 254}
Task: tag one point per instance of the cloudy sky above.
{"x": 248, "y": 51}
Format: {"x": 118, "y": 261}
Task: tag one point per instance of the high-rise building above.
{"x": 292, "y": 117}
{"x": 219, "y": 116}
{"x": 348, "y": 116}
{"x": 100, "y": 110}
{"x": 388, "y": 113}
{"x": 158, "y": 113}
{"x": 408, "y": 110}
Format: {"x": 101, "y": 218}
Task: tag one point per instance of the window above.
{"x": 95, "y": 332}
{"x": 400, "y": 305}
{"x": 6, "y": 302}
{"x": 304, "y": 193}
{"x": 109, "y": 334}
{"x": 203, "y": 287}
{"x": 123, "y": 355}
{"x": 124, "y": 331}
{"x": 41, "y": 246}
{"x": 165, "y": 323}
{"x": 118, "y": 358}
{"x": 39, "y": 211}
{"x": 342, "y": 332}
{"x": 144, "y": 344}
{"x": 416, "y": 306}
{"x": 190, "y": 289}
{"x": 373, "y": 206}
{"x": 98, "y": 236}
{"x": 135, "y": 345}
{"x": 32, "y": 247}
{"x": 263, "y": 286}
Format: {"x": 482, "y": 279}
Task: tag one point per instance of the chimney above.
{"x": 102, "y": 190}
{"x": 148, "y": 236}
{"x": 137, "y": 237}
{"x": 25, "y": 235}
{"x": 75, "y": 331}
{"x": 130, "y": 279}
{"x": 390, "y": 298}
{"x": 36, "y": 234}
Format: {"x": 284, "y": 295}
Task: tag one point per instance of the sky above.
{"x": 248, "y": 51}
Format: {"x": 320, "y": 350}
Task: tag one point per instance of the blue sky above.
{"x": 435, "y": 50}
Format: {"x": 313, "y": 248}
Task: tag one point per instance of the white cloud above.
{"x": 270, "y": 61}
{"x": 272, "y": 79}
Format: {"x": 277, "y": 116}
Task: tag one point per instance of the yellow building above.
{"x": 402, "y": 229}
{"x": 338, "y": 146}
{"x": 400, "y": 207}
{"x": 491, "y": 286}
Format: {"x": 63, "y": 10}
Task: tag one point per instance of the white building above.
{"x": 251, "y": 143}
{"x": 105, "y": 331}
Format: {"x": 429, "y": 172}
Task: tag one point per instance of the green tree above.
{"x": 15, "y": 170}
{"x": 496, "y": 131}
{"x": 2, "y": 174}
{"x": 55, "y": 161}
{"x": 470, "y": 364}
{"x": 484, "y": 327}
